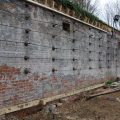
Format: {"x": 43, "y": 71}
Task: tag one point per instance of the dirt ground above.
{"x": 99, "y": 108}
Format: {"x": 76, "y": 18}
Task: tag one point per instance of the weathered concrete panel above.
{"x": 57, "y": 61}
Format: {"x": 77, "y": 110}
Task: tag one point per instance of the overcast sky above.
{"x": 101, "y": 7}
{"x": 102, "y": 3}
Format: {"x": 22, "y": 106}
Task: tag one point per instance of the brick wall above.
{"x": 38, "y": 58}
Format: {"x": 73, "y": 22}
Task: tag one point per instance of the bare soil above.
{"x": 104, "y": 107}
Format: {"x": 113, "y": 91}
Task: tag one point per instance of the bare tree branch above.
{"x": 111, "y": 9}
{"x": 88, "y": 5}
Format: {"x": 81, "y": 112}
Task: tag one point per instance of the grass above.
{"x": 109, "y": 82}
{"x": 79, "y": 10}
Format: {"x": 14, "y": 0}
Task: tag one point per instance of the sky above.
{"x": 102, "y": 3}
{"x": 101, "y": 7}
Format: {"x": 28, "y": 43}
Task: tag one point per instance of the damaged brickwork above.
{"x": 43, "y": 54}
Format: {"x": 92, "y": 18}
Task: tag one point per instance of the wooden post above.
{"x": 60, "y": 8}
{"x": 92, "y": 23}
{"x": 88, "y": 20}
{"x": 53, "y": 4}
{"x": 73, "y": 13}
{"x": 68, "y": 11}
{"x": 85, "y": 19}
{"x": 45, "y": 2}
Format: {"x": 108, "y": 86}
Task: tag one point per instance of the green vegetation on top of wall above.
{"x": 79, "y": 10}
